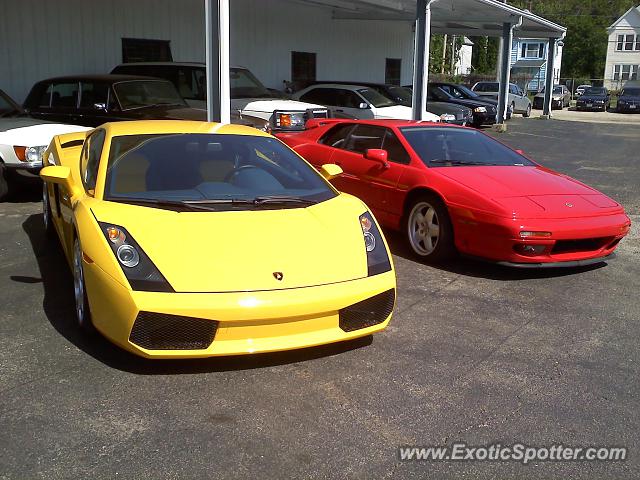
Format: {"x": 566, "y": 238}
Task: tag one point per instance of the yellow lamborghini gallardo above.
{"x": 194, "y": 239}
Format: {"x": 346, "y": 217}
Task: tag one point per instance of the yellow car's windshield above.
{"x": 240, "y": 170}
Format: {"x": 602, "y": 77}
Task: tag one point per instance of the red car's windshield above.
{"x": 446, "y": 147}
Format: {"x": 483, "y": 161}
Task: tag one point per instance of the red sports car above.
{"x": 451, "y": 188}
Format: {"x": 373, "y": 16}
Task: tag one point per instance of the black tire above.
{"x": 47, "y": 216}
{"x": 527, "y": 114}
{"x": 4, "y": 185}
{"x": 510, "y": 111}
{"x": 420, "y": 233}
{"x": 83, "y": 314}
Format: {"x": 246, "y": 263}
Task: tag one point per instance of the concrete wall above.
{"x": 45, "y": 38}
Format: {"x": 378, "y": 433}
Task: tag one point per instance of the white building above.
{"x": 463, "y": 63}
{"x": 277, "y": 40}
{"x": 623, "y": 51}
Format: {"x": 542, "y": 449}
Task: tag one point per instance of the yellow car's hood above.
{"x": 245, "y": 250}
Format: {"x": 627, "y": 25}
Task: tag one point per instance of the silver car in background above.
{"x": 518, "y": 100}
{"x": 560, "y": 98}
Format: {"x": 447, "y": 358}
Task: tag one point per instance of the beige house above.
{"x": 623, "y": 51}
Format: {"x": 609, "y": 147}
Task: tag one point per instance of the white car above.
{"x": 580, "y": 89}
{"x": 22, "y": 142}
{"x": 250, "y": 99}
{"x": 356, "y": 101}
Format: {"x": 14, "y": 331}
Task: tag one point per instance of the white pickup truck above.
{"x": 22, "y": 142}
{"x": 250, "y": 99}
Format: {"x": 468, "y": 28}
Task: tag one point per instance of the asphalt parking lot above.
{"x": 474, "y": 353}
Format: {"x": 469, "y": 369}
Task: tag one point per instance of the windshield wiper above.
{"x": 155, "y": 105}
{"x": 282, "y": 200}
{"x": 459, "y": 162}
{"x": 211, "y": 204}
{"x": 183, "y": 205}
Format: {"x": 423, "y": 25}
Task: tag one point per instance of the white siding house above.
{"x": 67, "y": 37}
{"x": 529, "y": 60}
{"x": 623, "y": 51}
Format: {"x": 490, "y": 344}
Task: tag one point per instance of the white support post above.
{"x": 549, "y": 79}
{"x": 421, "y": 59}
{"x": 217, "y": 59}
{"x": 505, "y": 72}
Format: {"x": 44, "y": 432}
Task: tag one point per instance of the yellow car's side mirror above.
{"x": 330, "y": 170}
{"x": 62, "y": 176}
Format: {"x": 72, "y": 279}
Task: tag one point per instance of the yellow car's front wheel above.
{"x": 83, "y": 315}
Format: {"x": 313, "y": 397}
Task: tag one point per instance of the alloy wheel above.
{"x": 424, "y": 228}
{"x": 78, "y": 284}
{"x": 46, "y": 212}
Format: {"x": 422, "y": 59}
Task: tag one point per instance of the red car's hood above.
{"x": 533, "y": 192}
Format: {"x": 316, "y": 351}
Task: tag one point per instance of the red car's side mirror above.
{"x": 377, "y": 155}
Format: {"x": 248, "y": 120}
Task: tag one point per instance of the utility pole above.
{"x": 453, "y": 54}
{"x": 444, "y": 53}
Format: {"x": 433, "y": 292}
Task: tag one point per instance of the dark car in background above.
{"x": 8, "y": 107}
{"x": 594, "y": 98}
{"x": 252, "y": 102}
{"x": 484, "y": 112}
{"x": 448, "y": 112}
{"x": 629, "y": 100}
{"x": 460, "y": 91}
{"x": 91, "y": 100}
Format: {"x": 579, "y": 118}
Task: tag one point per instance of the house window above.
{"x": 143, "y": 50}
{"x": 532, "y": 50}
{"x": 392, "y": 71}
{"x": 625, "y": 72}
{"x": 303, "y": 68}
{"x": 620, "y": 42}
{"x": 628, "y": 44}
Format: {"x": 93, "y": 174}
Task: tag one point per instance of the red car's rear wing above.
{"x": 321, "y": 122}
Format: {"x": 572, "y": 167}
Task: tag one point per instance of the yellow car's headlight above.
{"x": 377, "y": 257}
{"x": 140, "y": 271}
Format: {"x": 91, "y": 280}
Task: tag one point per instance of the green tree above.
{"x": 485, "y": 54}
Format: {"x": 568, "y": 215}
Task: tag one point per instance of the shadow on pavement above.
{"x": 23, "y": 189}
{"x": 58, "y": 305}
{"x": 480, "y": 269}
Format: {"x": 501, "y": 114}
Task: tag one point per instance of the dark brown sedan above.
{"x": 91, "y": 100}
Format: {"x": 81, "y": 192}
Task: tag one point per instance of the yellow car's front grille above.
{"x": 160, "y": 331}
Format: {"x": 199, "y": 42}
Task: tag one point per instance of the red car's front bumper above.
{"x": 572, "y": 242}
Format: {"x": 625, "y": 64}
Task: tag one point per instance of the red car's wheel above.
{"x": 428, "y": 229}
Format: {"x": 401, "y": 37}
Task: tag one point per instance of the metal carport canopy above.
{"x": 458, "y": 17}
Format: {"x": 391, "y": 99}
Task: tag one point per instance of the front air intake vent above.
{"x": 161, "y": 331}
{"x": 367, "y": 313}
